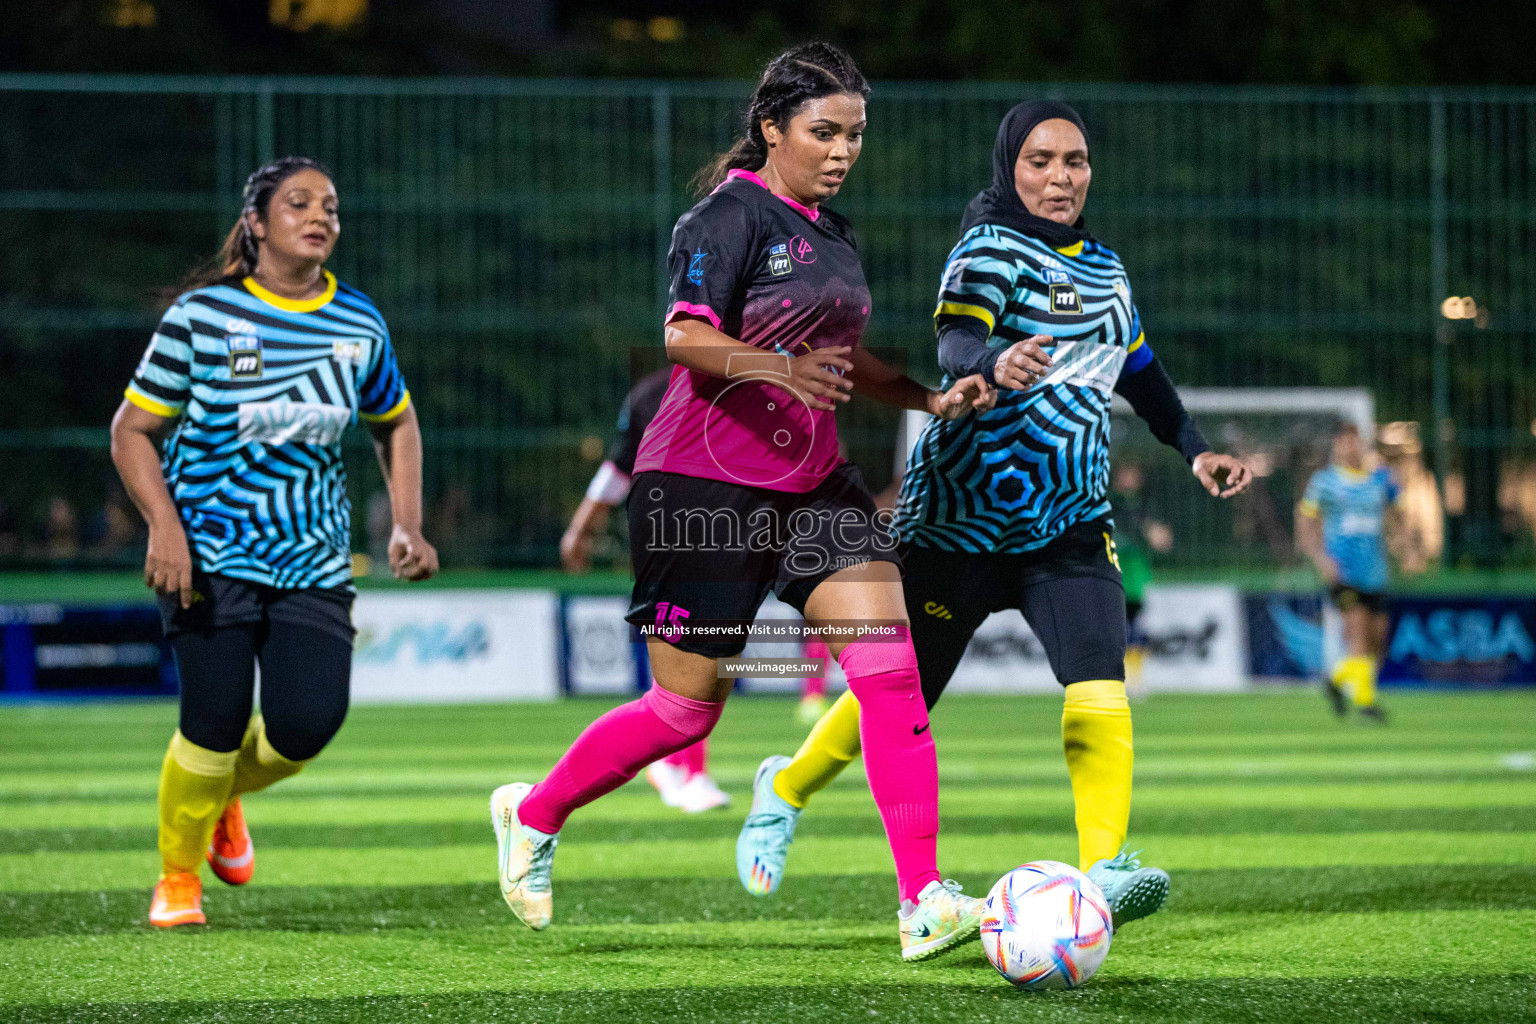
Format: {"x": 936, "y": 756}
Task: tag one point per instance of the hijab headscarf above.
{"x": 1000, "y": 203}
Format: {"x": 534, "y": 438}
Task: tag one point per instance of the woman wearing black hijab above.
{"x": 1008, "y": 508}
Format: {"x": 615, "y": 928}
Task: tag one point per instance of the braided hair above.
{"x": 801, "y": 73}
{"x": 236, "y": 258}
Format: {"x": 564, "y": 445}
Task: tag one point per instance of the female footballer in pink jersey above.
{"x": 739, "y": 490}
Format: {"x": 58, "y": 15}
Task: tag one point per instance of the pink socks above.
{"x": 899, "y": 756}
{"x": 611, "y": 750}
{"x": 815, "y": 686}
{"x": 692, "y": 759}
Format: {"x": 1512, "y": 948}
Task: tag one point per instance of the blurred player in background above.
{"x": 256, "y": 371}
{"x": 682, "y": 778}
{"x": 1136, "y": 537}
{"x": 768, "y": 304}
{"x": 1341, "y": 524}
{"x": 1008, "y": 508}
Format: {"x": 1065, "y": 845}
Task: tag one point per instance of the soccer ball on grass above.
{"x": 1046, "y": 925}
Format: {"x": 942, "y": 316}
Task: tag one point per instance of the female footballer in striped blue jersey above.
{"x": 1008, "y": 508}
{"x": 252, "y": 377}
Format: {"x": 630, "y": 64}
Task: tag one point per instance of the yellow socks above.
{"x": 1356, "y": 675}
{"x": 1096, "y": 736}
{"x": 259, "y": 765}
{"x": 833, "y": 742}
{"x": 194, "y": 787}
{"x": 1135, "y": 663}
{"x": 1361, "y": 673}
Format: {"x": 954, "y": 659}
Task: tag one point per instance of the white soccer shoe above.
{"x": 700, "y": 794}
{"x": 669, "y": 781}
{"x": 942, "y": 918}
{"x": 524, "y": 859}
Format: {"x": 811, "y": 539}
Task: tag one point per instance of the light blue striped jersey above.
{"x": 1353, "y": 506}
{"x": 1012, "y": 479}
{"x": 263, "y": 388}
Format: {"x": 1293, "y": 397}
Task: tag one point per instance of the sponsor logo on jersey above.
{"x": 1064, "y": 299}
{"x": 293, "y": 422}
{"x": 696, "y": 267}
{"x": 348, "y": 352}
{"x": 244, "y": 356}
{"x": 1057, "y": 277}
{"x": 237, "y": 325}
{"x": 778, "y": 260}
{"x": 801, "y": 250}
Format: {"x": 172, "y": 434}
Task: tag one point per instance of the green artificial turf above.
{"x": 114, "y": 587}
{"x": 1323, "y": 871}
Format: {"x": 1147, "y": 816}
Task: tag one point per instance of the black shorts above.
{"x": 1346, "y": 597}
{"x": 707, "y": 552}
{"x": 219, "y": 601}
{"x": 1069, "y": 592}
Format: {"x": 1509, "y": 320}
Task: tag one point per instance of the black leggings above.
{"x": 306, "y": 675}
{"x": 1070, "y": 594}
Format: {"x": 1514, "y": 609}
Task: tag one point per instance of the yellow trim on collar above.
{"x": 294, "y": 305}
{"x": 1075, "y": 249}
{"x": 1308, "y": 508}
{"x": 384, "y": 417}
{"x": 1355, "y": 475}
{"x": 966, "y": 309}
{"x": 1141, "y": 339}
{"x": 150, "y": 405}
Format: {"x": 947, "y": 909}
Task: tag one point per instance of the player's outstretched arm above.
{"x": 576, "y": 544}
{"x": 397, "y": 442}
{"x": 1222, "y": 475}
{"x": 1152, "y": 395}
{"x": 885, "y": 384}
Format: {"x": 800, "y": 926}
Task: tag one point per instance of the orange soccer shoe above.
{"x": 231, "y": 853}
{"x": 178, "y": 900}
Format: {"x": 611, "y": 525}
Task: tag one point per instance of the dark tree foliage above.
{"x": 1326, "y": 42}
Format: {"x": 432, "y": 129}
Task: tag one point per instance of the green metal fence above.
{"x": 513, "y": 232}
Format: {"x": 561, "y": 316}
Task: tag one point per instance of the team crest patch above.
{"x": 244, "y": 356}
{"x": 1064, "y": 299}
{"x": 696, "y": 267}
{"x": 778, "y": 260}
{"x": 347, "y": 352}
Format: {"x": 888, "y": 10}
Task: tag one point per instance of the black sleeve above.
{"x": 963, "y": 348}
{"x": 713, "y": 255}
{"x": 1152, "y": 395}
{"x": 640, "y": 407}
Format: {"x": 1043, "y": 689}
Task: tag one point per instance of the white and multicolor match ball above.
{"x": 1046, "y": 925}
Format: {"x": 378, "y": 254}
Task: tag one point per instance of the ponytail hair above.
{"x": 802, "y": 73}
{"x": 236, "y": 258}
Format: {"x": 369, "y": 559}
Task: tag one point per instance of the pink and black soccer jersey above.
{"x": 784, "y": 279}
